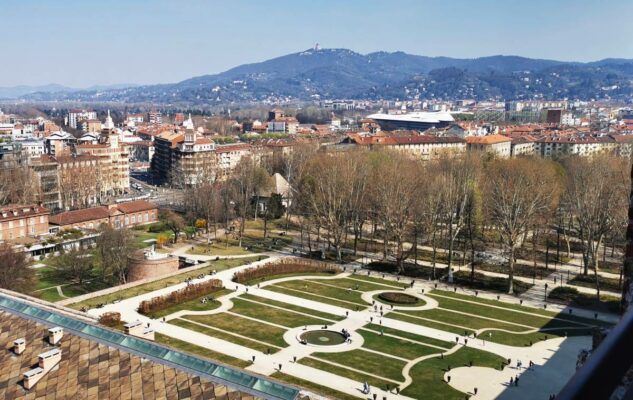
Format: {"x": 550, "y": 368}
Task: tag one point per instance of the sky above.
{"x": 80, "y": 43}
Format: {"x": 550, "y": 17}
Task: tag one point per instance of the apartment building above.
{"x": 497, "y": 145}
{"x": 426, "y": 147}
{"x": 124, "y": 215}
{"x": 19, "y": 221}
{"x": 114, "y": 163}
{"x": 74, "y": 117}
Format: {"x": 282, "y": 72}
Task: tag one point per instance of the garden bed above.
{"x": 410, "y": 270}
{"x": 284, "y": 268}
{"x": 189, "y": 292}
{"x": 398, "y": 298}
{"x": 484, "y": 282}
{"x": 610, "y": 284}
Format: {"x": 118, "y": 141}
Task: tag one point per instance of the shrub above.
{"x": 110, "y": 319}
{"x": 564, "y": 293}
{"x": 161, "y": 240}
{"x": 283, "y": 267}
{"x": 157, "y": 227}
{"x": 398, "y": 298}
{"x": 187, "y": 293}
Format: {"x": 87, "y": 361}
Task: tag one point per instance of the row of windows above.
{"x": 31, "y": 221}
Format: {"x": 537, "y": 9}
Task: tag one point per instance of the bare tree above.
{"x": 113, "y": 248}
{"x": 15, "y": 273}
{"x": 459, "y": 175}
{"x": 173, "y": 221}
{"x": 248, "y": 180}
{"x": 517, "y": 191}
{"x": 596, "y": 195}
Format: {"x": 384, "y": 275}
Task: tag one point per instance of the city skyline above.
{"x": 80, "y": 45}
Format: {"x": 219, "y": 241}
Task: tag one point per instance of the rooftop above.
{"x": 102, "y": 363}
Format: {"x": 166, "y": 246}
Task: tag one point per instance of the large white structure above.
{"x": 418, "y": 121}
{"x": 76, "y": 116}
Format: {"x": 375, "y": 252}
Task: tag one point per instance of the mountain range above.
{"x": 344, "y": 74}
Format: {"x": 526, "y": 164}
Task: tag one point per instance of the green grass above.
{"x": 200, "y": 351}
{"x": 419, "y": 302}
{"x": 361, "y": 286}
{"x": 162, "y": 283}
{"x": 254, "y": 282}
{"x": 409, "y": 335}
{"x": 193, "y": 305}
{"x": 517, "y": 307}
{"x": 49, "y": 294}
{"x": 466, "y": 321}
{"x": 393, "y": 346}
{"x": 218, "y": 249}
{"x": 354, "y": 375}
{"x": 525, "y": 339}
{"x": 307, "y": 296}
{"x": 273, "y": 315}
{"x": 242, "y": 326}
{"x": 223, "y": 335}
{"x": 314, "y": 387}
{"x": 379, "y": 281}
{"x": 609, "y": 284}
{"x": 317, "y": 314}
{"x": 519, "y": 317}
{"x": 321, "y": 289}
{"x": 366, "y": 361}
{"x": 428, "y": 375}
{"x": 430, "y": 324}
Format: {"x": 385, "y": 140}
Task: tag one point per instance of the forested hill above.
{"x": 344, "y": 74}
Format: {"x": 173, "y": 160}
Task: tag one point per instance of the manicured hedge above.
{"x": 284, "y": 267}
{"x": 398, "y": 298}
{"x": 187, "y": 293}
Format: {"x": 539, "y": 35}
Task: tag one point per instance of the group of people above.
{"x": 205, "y": 300}
{"x": 347, "y": 335}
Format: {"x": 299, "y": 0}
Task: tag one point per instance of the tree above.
{"x": 173, "y": 221}
{"x": 393, "y": 198}
{"x": 329, "y": 192}
{"x": 112, "y": 250}
{"x": 249, "y": 179}
{"x": 474, "y": 220}
{"x": 73, "y": 266}
{"x": 518, "y": 191}
{"x": 15, "y": 273}
{"x": 460, "y": 176}
{"x": 596, "y": 195}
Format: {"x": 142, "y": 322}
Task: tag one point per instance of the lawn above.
{"x": 287, "y": 318}
{"x": 428, "y": 375}
{"x": 200, "y": 351}
{"x": 254, "y": 282}
{"x": 380, "y": 281}
{"x": 376, "y": 364}
{"x": 407, "y": 335}
{"x": 218, "y": 249}
{"x": 308, "y": 296}
{"x": 193, "y": 305}
{"x": 394, "y": 346}
{"x": 355, "y": 284}
{"x": 224, "y": 336}
{"x": 347, "y": 373}
{"x": 610, "y": 284}
{"x": 286, "y": 306}
{"x": 323, "y": 292}
{"x": 519, "y": 340}
{"x": 314, "y": 387}
{"x": 165, "y": 282}
{"x": 460, "y": 320}
{"x": 428, "y": 323}
{"x": 242, "y": 326}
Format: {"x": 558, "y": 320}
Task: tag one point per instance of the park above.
{"x": 345, "y": 332}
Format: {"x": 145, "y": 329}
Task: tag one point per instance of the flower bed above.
{"x": 398, "y": 298}
{"x": 187, "y": 293}
{"x": 284, "y": 267}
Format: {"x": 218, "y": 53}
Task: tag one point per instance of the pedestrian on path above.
{"x": 516, "y": 381}
{"x": 511, "y": 381}
{"x": 448, "y": 379}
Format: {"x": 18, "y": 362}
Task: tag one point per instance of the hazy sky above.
{"x": 85, "y": 42}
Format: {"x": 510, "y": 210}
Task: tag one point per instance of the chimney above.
{"x": 49, "y": 359}
{"x": 19, "y": 345}
{"x": 55, "y": 335}
{"x": 32, "y": 377}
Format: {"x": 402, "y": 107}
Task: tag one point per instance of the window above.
{"x": 41, "y": 219}
{"x": 146, "y": 217}
{"x": 10, "y": 224}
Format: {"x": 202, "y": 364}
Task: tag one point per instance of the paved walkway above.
{"x": 540, "y": 353}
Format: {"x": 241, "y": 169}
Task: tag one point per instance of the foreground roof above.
{"x": 101, "y": 363}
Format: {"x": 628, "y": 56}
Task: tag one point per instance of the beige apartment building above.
{"x": 19, "y": 221}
